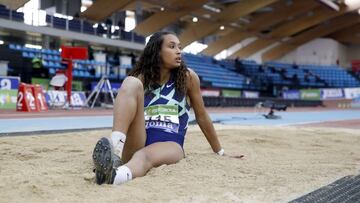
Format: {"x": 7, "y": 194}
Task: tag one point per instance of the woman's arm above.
{"x": 202, "y": 117}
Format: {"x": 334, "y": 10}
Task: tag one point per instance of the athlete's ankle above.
{"x": 118, "y": 140}
{"x": 123, "y": 175}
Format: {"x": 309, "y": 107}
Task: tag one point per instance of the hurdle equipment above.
{"x": 25, "y": 98}
{"x": 31, "y": 98}
{"x": 40, "y": 101}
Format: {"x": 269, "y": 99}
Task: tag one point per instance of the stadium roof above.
{"x": 282, "y": 24}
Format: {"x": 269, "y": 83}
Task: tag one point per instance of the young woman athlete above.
{"x": 151, "y": 115}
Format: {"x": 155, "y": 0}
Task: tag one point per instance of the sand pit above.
{"x": 280, "y": 164}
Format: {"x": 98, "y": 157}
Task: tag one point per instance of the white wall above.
{"x": 323, "y": 51}
{"x": 320, "y": 51}
{"x": 343, "y": 56}
{"x": 257, "y": 56}
{"x": 227, "y": 52}
{"x": 353, "y": 53}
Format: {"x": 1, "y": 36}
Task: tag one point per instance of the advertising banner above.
{"x": 310, "y": 94}
{"x": 251, "y": 94}
{"x": 41, "y": 81}
{"x": 231, "y": 93}
{"x": 9, "y": 83}
{"x": 58, "y": 98}
{"x": 351, "y": 93}
{"x": 332, "y": 94}
{"x": 210, "y": 92}
{"x": 291, "y": 94}
{"x": 8, "y": 99}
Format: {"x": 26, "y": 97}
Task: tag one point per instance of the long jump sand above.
{"x": 280, "y": 164}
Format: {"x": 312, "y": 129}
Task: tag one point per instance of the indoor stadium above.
{"x": 180, "y": 101}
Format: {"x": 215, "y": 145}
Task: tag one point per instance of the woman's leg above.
{"x": 129, "y": 116}
{"x": 148, "y": 157}
{"x": 129, "y": 120}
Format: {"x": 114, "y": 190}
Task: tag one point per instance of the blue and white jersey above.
{"x": 166, "y": 114}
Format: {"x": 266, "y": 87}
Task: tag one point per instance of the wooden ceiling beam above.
{"x": 319, "y": 15}
{"x": 242, "y": 8}
{"x": 14, "y": 4}
{"x": 286, "y": 11}
{"x": 258, "y": 23}
{"x": 348, "y": 35}
{"x": 201, "y": 29}
{"x": 225, "y": 42}
{"x": 316, "y": 32}
{"x": 251, "y": 48}
{"x": 161, "y": 19}
{"x": 351, "y": 39}
{"x": 101, "y": 9}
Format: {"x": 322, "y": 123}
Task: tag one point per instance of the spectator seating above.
{"x": 215, "y": 74}
{"x": 253, "y": 76}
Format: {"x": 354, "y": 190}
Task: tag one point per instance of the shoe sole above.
{"x": 102, "y": 158}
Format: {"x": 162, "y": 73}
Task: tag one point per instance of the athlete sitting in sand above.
{"x": 151, "y": 115}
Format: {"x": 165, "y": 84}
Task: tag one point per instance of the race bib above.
{"x": 162, "y": 116}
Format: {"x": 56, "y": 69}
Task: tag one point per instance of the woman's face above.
{"x": 170, "y": 52}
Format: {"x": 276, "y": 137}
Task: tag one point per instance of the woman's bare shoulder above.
{"x": 191, "y": 74}
{"x": 140, "y": 77}
{"x": 191, "y": 78}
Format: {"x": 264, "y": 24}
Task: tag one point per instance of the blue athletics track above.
{"x": 64, "y": 120}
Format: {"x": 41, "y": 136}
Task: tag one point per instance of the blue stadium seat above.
{"x": 25, "y": 55}
{"x": 100, "y": 30}
{"x": 126, "y": 35}
{"x": 75, "y": 25}
{"x": 59, "y": 23}
{"x": 139, "y": 39}
{"x": 52, "y": 71}
{"x": 4, "y": 13}
{"x": 88, "y": 28}
{"x": 19, "y": 47}
{"x": 12, "y": 46}
{"x": 17, "y": 16}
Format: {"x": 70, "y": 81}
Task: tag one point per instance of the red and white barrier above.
{"x": 30, "y": 98}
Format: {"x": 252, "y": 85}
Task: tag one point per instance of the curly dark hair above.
{"x": 148, "y": 65}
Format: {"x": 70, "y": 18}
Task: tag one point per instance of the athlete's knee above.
{"x": 176, "y": 154}
{"x": 132, "y": 84}
{"x": 131, "y": 87}
{"x": 143, "y": 160}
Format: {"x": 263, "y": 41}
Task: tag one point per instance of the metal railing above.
{"x": 40, "y": 18}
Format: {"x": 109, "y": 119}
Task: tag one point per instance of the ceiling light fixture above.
{"x": 210, "y": 8}
{"x": 330, "y": 4}
{"x": 351, "y": 2}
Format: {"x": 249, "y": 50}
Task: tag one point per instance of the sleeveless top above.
{"x": 166, "y": 114}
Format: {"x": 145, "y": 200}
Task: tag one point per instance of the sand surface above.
{"x": 280, "y": 164}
